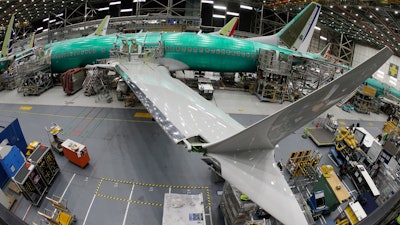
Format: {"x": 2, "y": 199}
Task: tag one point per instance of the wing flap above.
{"x": 180, "y": 111}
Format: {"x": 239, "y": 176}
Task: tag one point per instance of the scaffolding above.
{"x": 304, "y": 163}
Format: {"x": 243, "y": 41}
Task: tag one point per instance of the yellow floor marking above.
{"x": 206, "y": 189}
{"x": 25, "y": 108}
{"x": 240, "y": 110}
{"x": 371, "y": 124}
{"x": 143, "y": 115}
{"x": 342, "y": 123}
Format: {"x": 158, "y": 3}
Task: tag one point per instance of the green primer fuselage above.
{"x": 197, "y": 51}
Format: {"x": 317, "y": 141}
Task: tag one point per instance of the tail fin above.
{"x": 102, "y": 29}
{"x": 32, "y": 42}
{"x": 247, "y": 160}
{"x": 8, "y": 38}
{"x": 228, "y": 29}
{"x": 326, "y": 51}
{"x": 298, "y": 32}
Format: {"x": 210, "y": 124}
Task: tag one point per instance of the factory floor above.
{"x": 133, "y": 162}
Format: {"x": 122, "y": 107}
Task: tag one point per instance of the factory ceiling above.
{"x": 375, "y": 23}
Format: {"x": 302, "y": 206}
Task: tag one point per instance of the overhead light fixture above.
{"x": 359, "y": 7}
{"x": 126, "y": 10}
{"x": 323, "y": 38}
{"x": 139, "y": 0}
{"x": 396, "y": 12}
{"x": 52, "y": 21}
{"x": 207, "y": 1}
{"x": 377, "y": 9}
{"x": 317, "y": 28}
{"x": 103, "y": 9}
{"x": 45, "y": 19}
{"x": 220, "y": 7}
{"x": 47, "y": 29}
{"x": 246, "y": 7}
{"x": 40, "y": 28}
{"x": 115, "y": 3}
{"x": 60, "y": 15}
{"x": 218, "y": 16}
{"x": 232, "y": 13}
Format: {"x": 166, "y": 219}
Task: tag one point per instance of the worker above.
{"x": 244, "y": 197}
{"x": 375, "y": 169}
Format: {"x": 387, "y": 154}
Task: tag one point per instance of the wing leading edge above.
{"x": 180, "y": 111}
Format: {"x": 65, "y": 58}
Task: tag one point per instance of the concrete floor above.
{"x": 133, "y": 163}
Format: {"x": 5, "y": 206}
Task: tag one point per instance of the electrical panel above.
{"x": 31, "y": 183}
{"x": 46, "y": 164}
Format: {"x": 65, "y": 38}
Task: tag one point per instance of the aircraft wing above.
{"x": 179, "y": 110}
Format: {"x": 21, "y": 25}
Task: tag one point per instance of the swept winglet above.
{"x": 247, "y": 160}
{"x": 102, "y": 29}
{"x": 298, "y": 32}
{"x": 7, "y": 39}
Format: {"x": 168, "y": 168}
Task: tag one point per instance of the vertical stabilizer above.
{"x": 32, "y": 42}
{"x": 102, "y": 29}
{"x": 298, "y": 32}
{"x": 7, "y": 39}
{"x": 230, "y": 27}
{"x": 326, "y": 51}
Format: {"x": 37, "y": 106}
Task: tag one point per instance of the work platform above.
{"x": 321, "y": 136}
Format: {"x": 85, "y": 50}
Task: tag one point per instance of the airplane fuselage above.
{"x": 195, "y": 51}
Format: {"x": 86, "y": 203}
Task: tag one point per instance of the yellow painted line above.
{"x": 80, "y": 117}
{"x": 153, "y": 185}
{"x": 25, "y": 108}
{"x": 208, "y": 198}
{"x": 342, "y": 123}
{"x": 241, "y": 110}
{"x": 131, "y": 201}
{"x": 143, "y": 115}
{"x": 98, "y": 185}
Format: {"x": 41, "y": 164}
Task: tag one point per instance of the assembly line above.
{"x": 316, "y": 158}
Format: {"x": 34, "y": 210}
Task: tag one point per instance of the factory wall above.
{"x": 362, "y": 53}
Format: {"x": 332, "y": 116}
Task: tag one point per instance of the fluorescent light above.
{"x": 45, "y": 19}
{"x": 246, "y": 7}
{"x": 232, "y": 13}
{"x": 139, "y": 0}
{"x": 52, "y": 21}
{"x": 220, "y": 7}
{"x": 40, "y": 28}
{"x": 218, "y": 16}
{"x": 207, "y": 1}
{"x": 317, "y": 28}
{"x": 47, "y": 29}
{"x": 323, "y": 38}
{"x": 115, "y": 3}
{"x": 60, "y": 15}
{"x": 103, "y": 9}
{"x": 126, "y": 10}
